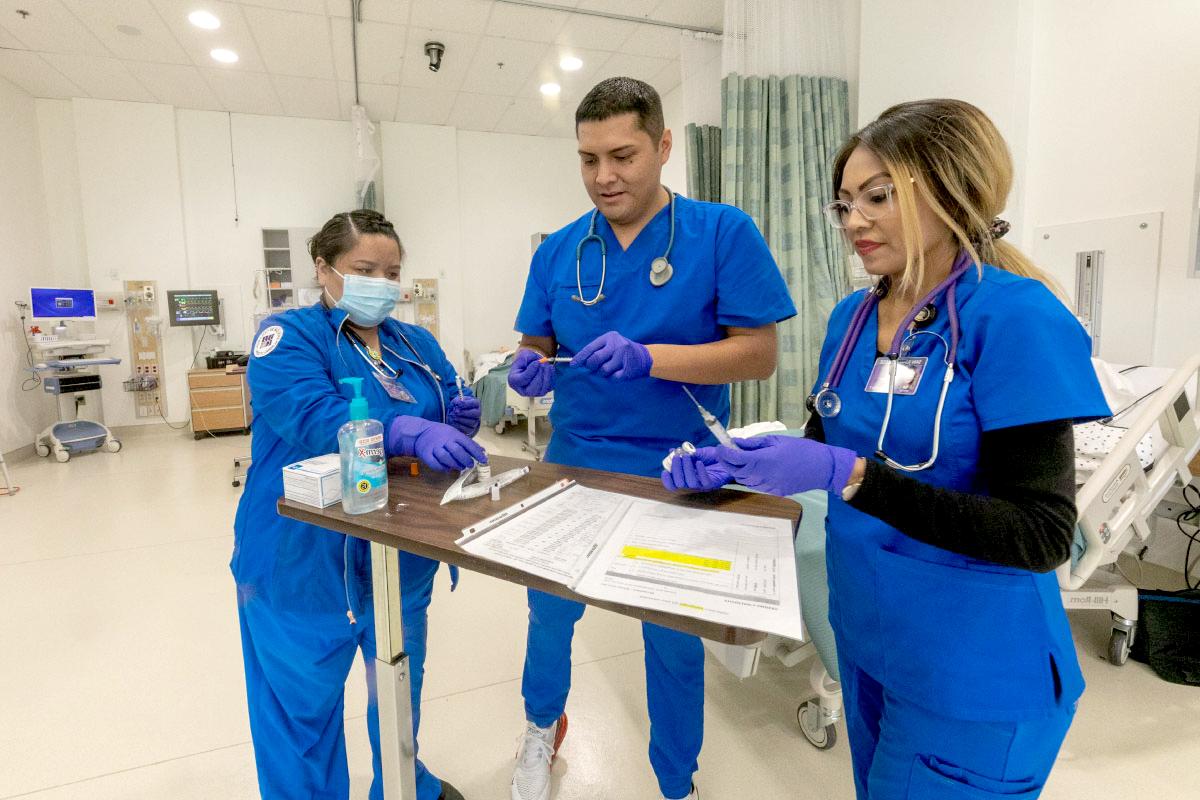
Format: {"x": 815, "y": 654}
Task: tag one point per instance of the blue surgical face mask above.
{"x": 367, "y": 301}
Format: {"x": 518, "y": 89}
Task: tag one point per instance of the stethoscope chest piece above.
{"x": 661, "y": 271}
{"x": 827, "y": 404}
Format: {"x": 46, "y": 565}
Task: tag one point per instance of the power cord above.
{"x": 1192, "y": 517}
{"x": 34, "y": 380}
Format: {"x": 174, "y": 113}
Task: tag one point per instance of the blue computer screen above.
{"x": 62, "y": 303}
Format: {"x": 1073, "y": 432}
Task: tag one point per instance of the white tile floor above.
{"x": 121, "y": 677}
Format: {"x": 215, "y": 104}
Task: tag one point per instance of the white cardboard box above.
{"x": 314, "y": 481}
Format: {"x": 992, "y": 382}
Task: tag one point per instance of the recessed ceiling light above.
{"x": 203, "y": 19}
{"x": 571, "y": 63}
{"x": 224, "y": 56}
{"x": 129, "y": 30}
{"x": 551, "y": 89}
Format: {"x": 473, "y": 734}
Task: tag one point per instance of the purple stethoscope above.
{"x": 826, "y": 402}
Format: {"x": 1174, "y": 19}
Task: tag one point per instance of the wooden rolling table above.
{"x": 415, "y": 523}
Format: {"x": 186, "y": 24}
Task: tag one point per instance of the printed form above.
{"x": 733, "y": 569}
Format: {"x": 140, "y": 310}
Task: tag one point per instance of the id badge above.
{"x": 908, "y": 374}
{"x": 395, "y": 390}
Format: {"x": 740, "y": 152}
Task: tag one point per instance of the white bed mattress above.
{"x": 1125, "y": 388}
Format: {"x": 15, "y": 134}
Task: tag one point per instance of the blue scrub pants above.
{"x": 901, "y": 751}
{"x": 296, "y": 667}
{"x": 674, "y": 686}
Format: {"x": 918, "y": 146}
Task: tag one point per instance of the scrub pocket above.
{"x": 970, "y": 644}
{"x": 934, "y": 780}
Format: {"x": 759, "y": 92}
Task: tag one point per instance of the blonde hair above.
{"x": 951, "y": 155}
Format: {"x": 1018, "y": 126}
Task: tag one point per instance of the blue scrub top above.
{"x": 297, "y": 361}
{"x": 724, "y": 276}
{"x": 968, "y": 638}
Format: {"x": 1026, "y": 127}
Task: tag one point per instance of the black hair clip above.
{"x": 998, "y": 228}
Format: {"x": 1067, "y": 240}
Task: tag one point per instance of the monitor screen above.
{"x": 62, "y": 303}
{"x": 194, "y": 307}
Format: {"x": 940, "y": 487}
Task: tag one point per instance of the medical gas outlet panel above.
{"x": 144, "y": 325}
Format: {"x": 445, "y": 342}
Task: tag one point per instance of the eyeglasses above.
{"x": 874, "y": 203}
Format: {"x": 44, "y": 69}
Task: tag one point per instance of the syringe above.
{"x": 712, "y": 423}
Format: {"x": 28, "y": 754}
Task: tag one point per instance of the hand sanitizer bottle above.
{"x": 364, "y": 465}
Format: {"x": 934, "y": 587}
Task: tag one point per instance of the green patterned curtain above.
{"x": 703, "y": 162}
{"x": 779, "y": 136}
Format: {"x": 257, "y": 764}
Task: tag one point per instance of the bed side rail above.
{"x": 1116, "y": 502}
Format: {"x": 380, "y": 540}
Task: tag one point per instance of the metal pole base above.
{"x": 397, "y": 748}
{"x": 398, "y": 752}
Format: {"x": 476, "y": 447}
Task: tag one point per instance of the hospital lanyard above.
{"x": 660, "y": 268}
{"x": 378, "y": 364}
{"x": 826, "y": 402}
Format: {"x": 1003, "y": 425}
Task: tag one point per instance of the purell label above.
{"x": 370, "y": 452}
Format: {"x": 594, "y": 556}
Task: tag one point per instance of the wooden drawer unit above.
{"x": 220, "y": 401}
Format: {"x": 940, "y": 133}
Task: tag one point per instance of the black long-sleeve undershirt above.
{"x": 1026, "y": 519}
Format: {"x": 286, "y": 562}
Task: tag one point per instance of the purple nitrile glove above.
{"x": 437, "y": 445}
{"x": 529, "y": 377}
{"x": 614, "y": 356}
{"x": 464, "y": 414}
{"x": 701, "y": 471}
{"x": 786, "y": 465}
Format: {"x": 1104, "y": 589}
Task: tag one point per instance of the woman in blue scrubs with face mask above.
{"x": 304, "y": 593}
{"x": 942, "y": 429}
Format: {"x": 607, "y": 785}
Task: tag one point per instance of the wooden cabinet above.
{"x": 220, "y": 401}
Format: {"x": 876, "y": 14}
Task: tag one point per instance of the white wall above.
{"x": 133, "y": 223}
{"x": 25, "y": 258}
{"x": 511, "y": 188}
{"x": 466, "y": 205}
{"x": 973, "y": 50}
{"x": 674, "y": 172}
{"x": 242, "y": 173}
{"x": 64, "y": 203}
{"x": 1114, "y": 128}
{"x": 420, "y": 168}
{"x": 1103, "y": 130}
{"x": 143, "y": 191}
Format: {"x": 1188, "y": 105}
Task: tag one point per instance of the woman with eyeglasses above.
{"x": 941, "y": 427}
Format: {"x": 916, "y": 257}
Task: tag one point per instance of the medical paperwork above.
{"x": 732, "y": 569}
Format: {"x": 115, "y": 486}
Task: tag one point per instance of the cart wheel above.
{"x": 822, "y": 737}
{"x": 499, "y": 427}
{"x": 236, "y": 482}
{"x": 1118, "y": 647}
{"x": 42, "y": 450}
{"x": 61, "y": 456}
{"x": 113, "y": 446}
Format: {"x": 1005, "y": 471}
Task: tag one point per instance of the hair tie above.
{"x": 998, "y": 228}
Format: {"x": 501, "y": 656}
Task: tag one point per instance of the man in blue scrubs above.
{"x": 633, "y": 339}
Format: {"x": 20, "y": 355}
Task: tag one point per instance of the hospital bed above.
{"x": 1121, "y": 490}
{"x": 500, "y": 405}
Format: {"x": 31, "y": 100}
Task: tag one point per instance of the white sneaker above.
{"x": 693, "y": 795}
{"x": 535, "y": 750}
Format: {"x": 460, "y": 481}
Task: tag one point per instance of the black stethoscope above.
{"x": 661, "y": 270}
